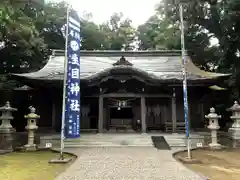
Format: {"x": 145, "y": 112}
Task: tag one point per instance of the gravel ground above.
{"x": 126, "y": 164}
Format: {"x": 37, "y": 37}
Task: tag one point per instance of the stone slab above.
{"x": 60, "y": 161}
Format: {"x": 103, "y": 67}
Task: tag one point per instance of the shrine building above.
{"x": 124, "y": 91}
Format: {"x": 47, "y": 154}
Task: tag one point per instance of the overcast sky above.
{"x": 137, "y": 10}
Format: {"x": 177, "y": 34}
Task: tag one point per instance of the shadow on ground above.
{"x": 160, "y": 143}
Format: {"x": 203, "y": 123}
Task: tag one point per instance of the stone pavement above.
{"x": 126, "y": 164}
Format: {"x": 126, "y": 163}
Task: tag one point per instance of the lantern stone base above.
{"x": 236, "y": 143}
{"x": 6, "y": 139}
{"x": 7, "y": 130}
{"x": 215, "y": 146}
{"x": 30, "y": 147}
{"x": 235, "y": 133}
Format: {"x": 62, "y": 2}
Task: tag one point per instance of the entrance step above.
{"x": 119, "y": 140}
{"x": 179, "y": 140}
{"x": 110, "y": 140}
{"x": 175, "y": 141}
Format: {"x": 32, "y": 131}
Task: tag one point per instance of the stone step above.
{"x": 115, "y": 141}
{"x": 110, "y": 141}
{"x": 104, "y": 145}
{"x": 119, "y": 140}
{"x": 177, "y": 145}
{"x": 109, "y": 138}
{"x": 175, "y": 142}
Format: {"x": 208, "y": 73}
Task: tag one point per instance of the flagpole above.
{"x": 64, "y": 86}
{"x": 185, "y": 93}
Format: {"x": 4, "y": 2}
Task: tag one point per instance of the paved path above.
{"x": 126, "y": 164}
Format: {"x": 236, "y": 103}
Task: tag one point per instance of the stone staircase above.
{"x": 179, "y": 140}
{"x": 110, "y": 140}
{"x": 120, "y": 140}
{"x": 175, "y": 140}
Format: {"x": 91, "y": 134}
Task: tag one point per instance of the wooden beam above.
{"x": 133, "y": 95}
{"x": 190, "y": 84}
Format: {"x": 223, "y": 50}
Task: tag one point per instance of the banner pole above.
{"x": 185, "y": 93}
{"x": 64, "y": 86}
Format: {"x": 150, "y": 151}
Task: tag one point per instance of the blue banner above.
{"x": 72, "y": 116}
{"x": 185, "y": 100}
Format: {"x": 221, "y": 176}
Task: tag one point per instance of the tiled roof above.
{"x": 162, "y": 65}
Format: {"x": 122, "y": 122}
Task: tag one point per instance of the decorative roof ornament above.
{"x": 23, "y": 88}
{"x": 122, "y": 62}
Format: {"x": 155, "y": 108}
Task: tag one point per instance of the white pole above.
{"x": 64, "y": 87}
{"x": 185, "y": 94}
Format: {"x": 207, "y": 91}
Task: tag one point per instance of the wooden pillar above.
{"x": 189, "y": 113}
{"x": 174, "y": 112}
{"x": 53, "y": 116}
{"x": 202, "y": 114}
{"x": 143, "y": 114}
{"x": 100, "y": 114}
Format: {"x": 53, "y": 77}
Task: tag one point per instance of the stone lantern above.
{"x": 6, "y": 128}
{"x": 235, "y": 129}
{"x": 213, "y": 126}
{"x": 7, "y": 117}
{"x": 31, "y": 127}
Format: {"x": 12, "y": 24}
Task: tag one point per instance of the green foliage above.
{"x": 159, "y": 33}
{"x": 115, "y": 34}
{"x": 19, "y": 36}
{"x": 29, "y": 29}
{"x": 203, "y": 20}
{"x": 19, "y": 39}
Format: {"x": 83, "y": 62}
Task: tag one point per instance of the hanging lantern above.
{"x": 119, "y": 103}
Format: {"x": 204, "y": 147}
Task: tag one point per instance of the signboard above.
{"x": 72, "y": 108}
{"x": 48, "y": 145}
{"x": 199, "y": 145}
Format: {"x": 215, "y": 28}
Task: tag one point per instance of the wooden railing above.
{"x": 180, "y": 126}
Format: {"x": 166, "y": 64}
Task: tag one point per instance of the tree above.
{"x": 92, "y": 36}
{"x": 115, "y": 34}
{"x": 20, "y": 41}
{"x": 158, "y": 33}
{"x": 29, "y": 29}
{"x": 118, "y": 33}
{"x": 204, "y": 20}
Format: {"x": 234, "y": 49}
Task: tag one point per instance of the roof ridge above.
{"x": 57, "y": 52}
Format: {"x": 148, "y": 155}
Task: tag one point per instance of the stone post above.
{"x": 143, "y": 114}
{"x": 31, "y": 127}
{"x": 235, "y": 129}
{"x": 6, "y": 128}
{"x": 213, "y": 126}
